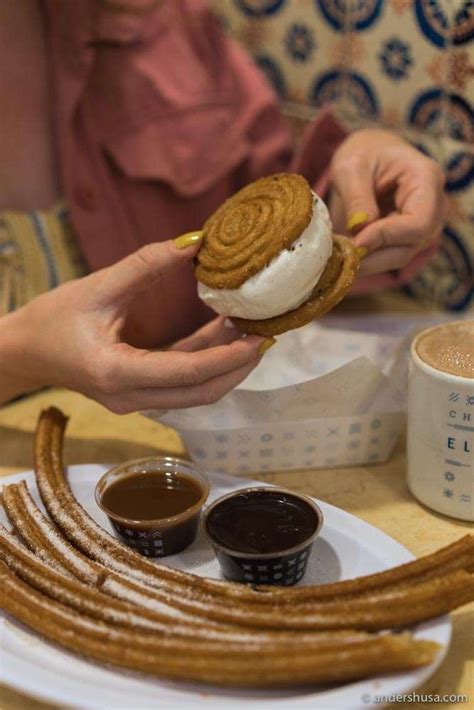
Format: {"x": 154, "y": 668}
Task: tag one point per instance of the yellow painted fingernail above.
{"x": 266, "y": 345}
{"x": 361, "y": 252}
{"x": 356, "y": 220}
{"x": 188, "y": 239}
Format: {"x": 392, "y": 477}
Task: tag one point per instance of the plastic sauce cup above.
{"x": 160, "y": 536}
{"x": 283, "y": 566}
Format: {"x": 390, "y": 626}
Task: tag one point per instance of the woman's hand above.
{"x": 390, "y": 195}
{"x": 71, "y": 337}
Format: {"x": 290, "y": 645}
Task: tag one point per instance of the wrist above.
{"x": 16, "y": 372}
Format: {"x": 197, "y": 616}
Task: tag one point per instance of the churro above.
{"x": 95, "y": 603}
{"x": 401, "y": 607}
{"x": 193, "y": 595}
{"x": 95, "y": 596}
{"x": 459, "y": 555}
{"x": 45, "y": 540}
{"x": 179, "y": 659}
{"x": 69, "y": 591}
{"x": 96, "y": 542}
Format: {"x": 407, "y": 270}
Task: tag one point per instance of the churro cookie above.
{"x": 269, "y": 259}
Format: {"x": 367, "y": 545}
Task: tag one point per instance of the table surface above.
{"x": 376, "y": 493}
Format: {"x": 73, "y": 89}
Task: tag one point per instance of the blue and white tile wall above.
{"x": 405, "y": 64}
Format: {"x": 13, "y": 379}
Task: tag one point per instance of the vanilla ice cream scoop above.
{"x": 286, "y": 282}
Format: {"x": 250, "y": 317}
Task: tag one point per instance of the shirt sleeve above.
{"x": 271, "y": 148}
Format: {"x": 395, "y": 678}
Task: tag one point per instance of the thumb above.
{"x": 137, "y": 272}
{"x": 356, "y": 189}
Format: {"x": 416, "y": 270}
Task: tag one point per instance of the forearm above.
{"x": 15, "y": 377}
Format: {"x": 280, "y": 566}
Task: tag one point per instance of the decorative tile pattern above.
{"x": 363, "y": 13}
{"x": 259, "y": 8}
{"x": 406, "y": 64}
{"x": 395, "y": 59}
{"x": 444, "y": 22}
{"x": 299, "y": 42}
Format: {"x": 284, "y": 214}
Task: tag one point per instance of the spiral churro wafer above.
{"x": 266, "y": 258}
{"x": 249, "y": 229}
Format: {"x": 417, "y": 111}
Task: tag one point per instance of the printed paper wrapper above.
{"x": 322, "y": 397}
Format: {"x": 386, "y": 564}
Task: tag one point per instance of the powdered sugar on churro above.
{"x": 82, "y": 567}
{"x": 114, "y": 586}
{"x": 217, "y": 662}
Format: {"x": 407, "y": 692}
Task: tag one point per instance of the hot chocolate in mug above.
{"x": 440, "y": 447}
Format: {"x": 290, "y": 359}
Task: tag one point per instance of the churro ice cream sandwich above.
{"x": 269, "y": 259}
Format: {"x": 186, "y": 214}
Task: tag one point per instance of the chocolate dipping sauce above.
{"x": 261, "y": 522}
{"x": 263, "y": 535}
{"x": 151, "y": 495}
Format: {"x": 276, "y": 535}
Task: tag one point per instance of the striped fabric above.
{"x": 37, "y": 253}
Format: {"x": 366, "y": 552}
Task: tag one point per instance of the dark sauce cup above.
{"x": 162, "y": 536}
{"x": 284, "y": 566}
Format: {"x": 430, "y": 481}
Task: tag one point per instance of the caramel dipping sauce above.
{"x": 151, "y": 495}
{"x": 154, "y": 504}
{"x": 449, "y": 348}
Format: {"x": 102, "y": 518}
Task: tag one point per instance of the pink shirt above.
{"x": 160, "y": 117}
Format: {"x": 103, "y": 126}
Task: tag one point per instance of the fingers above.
{"x": 403, "y": 266}
{"x": 130, "y": 369}
{"x": 352, "y": 178}
{"x": 137, "y": 272}
{"x": 134, "y": 380}
{"x": 337, "y": 211}
{"x": 390, "y": 259}
{"x": 421, "y": 206}
{"x": 398, "y": 230}
{"x": 373, "y": 283}
{"x": 421, "y": 190}
{"x": 213, "y": 333}
{"x": 192, "y": 368}
{"x": 179, "y": 397}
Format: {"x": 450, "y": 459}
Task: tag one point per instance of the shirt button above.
{"x": 84, "y": 196}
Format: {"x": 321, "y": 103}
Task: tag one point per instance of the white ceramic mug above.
{"x": 440, "y": 447}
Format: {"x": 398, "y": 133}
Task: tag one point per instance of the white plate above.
{"x": 346, "y": 547}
